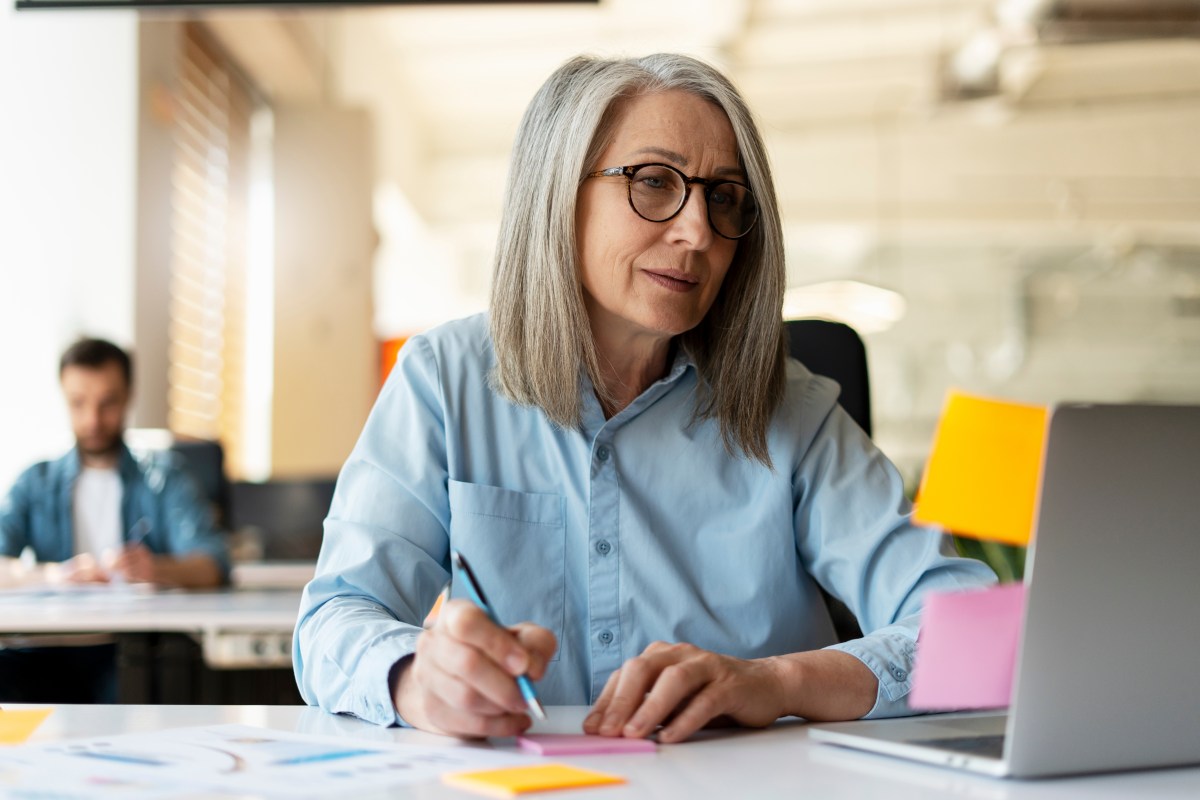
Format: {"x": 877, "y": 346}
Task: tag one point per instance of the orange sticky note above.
{"x": 17, "y": 725}
{"x": 982, "y": 476}
{"x": 512, "y": 781}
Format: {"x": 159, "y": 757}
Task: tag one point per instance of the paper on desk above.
{"x": 982, "y": 477}
{"x": 236, "y": 760}
{"x": 513, "y": 781}
{"x": 18, "y": 724}
{"x": 967, "y": 649}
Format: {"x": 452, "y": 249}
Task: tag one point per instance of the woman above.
{"x": 624, "y": 453}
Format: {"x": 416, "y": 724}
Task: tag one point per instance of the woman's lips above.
{"x": 675, "y": 281}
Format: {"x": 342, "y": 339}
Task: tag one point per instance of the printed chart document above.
{"x": 233, "y": 761}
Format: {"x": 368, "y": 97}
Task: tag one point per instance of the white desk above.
{"x": 236, "y": 628}
{"x": 779, "y": 762}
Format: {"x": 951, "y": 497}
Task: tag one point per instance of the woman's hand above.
{"x": 685, "y": 688}
{"x": 462, "y": 680}
{"x": 689, "y": 687}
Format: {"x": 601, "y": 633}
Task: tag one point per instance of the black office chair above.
{"x": 204, "y": 461}
{"x": 834, "y": 349}
{"x": 287, "y": 516}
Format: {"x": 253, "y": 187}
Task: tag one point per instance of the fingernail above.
{"x": 633, "y": 727}
{"x": 516, "y": 663}
{"x": 590, "y": 720}
{"x": 609, "y": 725}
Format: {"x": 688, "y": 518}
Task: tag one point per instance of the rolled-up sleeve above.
{"x": 856, "y": 538}
{"x": 385, "y": 552}
{"x": 14, "y": 517}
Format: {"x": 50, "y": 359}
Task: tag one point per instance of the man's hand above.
{"x": 136, "y": 564}
{"x": 686, "y": 688}
{"x": 462, "y": 679}
{"x": 83, "y": 568}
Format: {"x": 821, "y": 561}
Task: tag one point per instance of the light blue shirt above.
{"x": 633, "y": 529}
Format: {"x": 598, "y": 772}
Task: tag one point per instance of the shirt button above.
{"x": 602, "y": 453}
{"x": 603, "y": 547}
{"x": 605, "y": 637}
{"x": 898, "y": 673}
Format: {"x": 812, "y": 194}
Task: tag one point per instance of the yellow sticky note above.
{"x": 17, "y": 725}
{"x": 982, "y": 477}
{"x": 512, "y": 781}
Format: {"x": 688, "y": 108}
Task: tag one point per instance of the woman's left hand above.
{"x": 689, "y": 687}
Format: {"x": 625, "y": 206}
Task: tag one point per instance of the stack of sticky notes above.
{"x": 576, "y": 744}
{"x": 981, "y": 481}
{"x": 513, "y": 781}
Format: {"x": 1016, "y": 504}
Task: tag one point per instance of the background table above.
{"x": 778, "y": 762}
{"x": 227, "y": 646}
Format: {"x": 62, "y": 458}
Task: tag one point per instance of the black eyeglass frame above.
{"x": 708, "y": 183}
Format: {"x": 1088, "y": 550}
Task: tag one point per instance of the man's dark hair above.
{"x": 94, "y": 354}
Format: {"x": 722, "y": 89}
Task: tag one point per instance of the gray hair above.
{"x": 539, "y": 324}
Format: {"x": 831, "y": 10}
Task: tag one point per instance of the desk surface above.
{"x": 780, "y": 761}
{"x": 134, "y": 609}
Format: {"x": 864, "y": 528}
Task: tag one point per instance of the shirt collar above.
{"x": 593, "y": 414}
{"x": 72, "y": 464}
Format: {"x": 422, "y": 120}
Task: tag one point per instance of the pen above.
{"x": 139, "y": 532}
{"x": 476, "y": 593}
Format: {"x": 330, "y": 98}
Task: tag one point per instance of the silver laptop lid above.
{"x": 1109, "y": 661}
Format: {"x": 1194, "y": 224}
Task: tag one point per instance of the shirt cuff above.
{"x": 372, "y": 693}
{"x": 889, "y": 655}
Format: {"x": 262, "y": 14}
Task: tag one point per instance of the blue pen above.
{"x": 138, "y": 533}
{"x": 477, "y": 596}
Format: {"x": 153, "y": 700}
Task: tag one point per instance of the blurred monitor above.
{"x": 285, "y": 517}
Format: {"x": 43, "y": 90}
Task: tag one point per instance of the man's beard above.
{"x": 97, "y": 448}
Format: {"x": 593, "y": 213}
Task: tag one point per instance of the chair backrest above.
{"x": 835, "y": 350}
{"x": 204, "y": 461}
{"x": 288, "y": 516}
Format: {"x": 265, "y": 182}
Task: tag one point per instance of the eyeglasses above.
{"x": 658, "y": 192}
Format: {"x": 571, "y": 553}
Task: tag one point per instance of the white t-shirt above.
{"x": 97, "y": 511}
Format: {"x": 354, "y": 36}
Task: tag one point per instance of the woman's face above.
{"x": 655, "y": 279}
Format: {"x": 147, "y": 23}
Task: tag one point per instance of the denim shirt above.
{"x": 628, "y": 530}
{"x": 37, "y": 512}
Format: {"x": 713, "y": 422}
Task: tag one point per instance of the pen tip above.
{"x": 536, "y": 707}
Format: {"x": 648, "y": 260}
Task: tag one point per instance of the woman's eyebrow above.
{"x": 662, "y": 152}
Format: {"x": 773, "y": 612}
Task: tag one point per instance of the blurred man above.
{"x": 97, "y": 515}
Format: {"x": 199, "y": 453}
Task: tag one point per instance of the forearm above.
{"x": 825, "y": 685}
{"x": 193, "y": 571}
{"x": 14, "y": 572}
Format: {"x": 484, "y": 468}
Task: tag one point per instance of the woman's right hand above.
{"x": 462, "y": 680}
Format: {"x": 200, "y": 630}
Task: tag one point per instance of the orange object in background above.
{"x": 983, "y": 474}
{"x": 389, "y": 350}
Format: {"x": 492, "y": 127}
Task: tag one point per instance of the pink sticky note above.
{"x": 968, "y": 648}
{"x": 566, "y": 744}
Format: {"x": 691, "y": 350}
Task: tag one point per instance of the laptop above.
{"x": 1106, "y": 674}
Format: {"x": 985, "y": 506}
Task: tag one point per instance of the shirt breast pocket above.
{"x": 515, "y": 543}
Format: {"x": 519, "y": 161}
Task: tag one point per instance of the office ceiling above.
{"x": 836, "y": 83}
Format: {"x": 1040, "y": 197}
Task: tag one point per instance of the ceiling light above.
{"x": 862, "y": 306}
